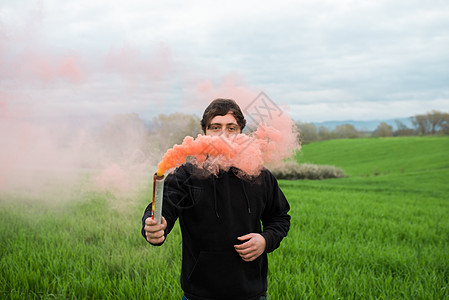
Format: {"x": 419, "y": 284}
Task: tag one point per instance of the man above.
{"x": 224, "y": 249}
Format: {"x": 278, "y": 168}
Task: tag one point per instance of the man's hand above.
{"x": 155, "y": 232}
{"x": 253, "y": 247}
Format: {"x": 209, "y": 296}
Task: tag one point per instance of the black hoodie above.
{"x": 213, "y": 211}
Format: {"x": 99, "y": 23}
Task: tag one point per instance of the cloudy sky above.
{"x": 319, "y": 60}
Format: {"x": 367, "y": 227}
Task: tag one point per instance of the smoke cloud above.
{"x": 66, "y": 119}
{"x": 72, "y": 122}
{"x": 269, "y": 144}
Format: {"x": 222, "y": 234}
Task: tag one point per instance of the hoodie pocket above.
{"x": 225, "y": 274}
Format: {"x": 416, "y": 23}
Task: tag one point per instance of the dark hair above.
{"x": 221, "y": 107}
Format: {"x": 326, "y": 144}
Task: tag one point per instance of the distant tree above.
{"x": 403, "y": 130}
{"x": 421, "y": 124}
{"x": 445, "y": 126}
{"x": 438, "y": 120}
{"x": 346, "y": 131}
{"x": 308, "y": 132}
{"x": 167, "y": 130}
{"x": 431, "y": 123}
{"x": 324, "y": 133}
{"x": 383, "y": 130}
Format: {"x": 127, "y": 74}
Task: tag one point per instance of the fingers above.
{"x": 155, "y": 238}
{"x": 155, "y": 232}
{"x": 246, "y": 250}
{"x": 249, "y": 258}
{"x": 153, "y": 223}
{"x": 252, "y": 248}
{"x": 245, "y": 247}
{"x": 248, "y": 245}
{"x": 246, "y": 237}
{"x": 249, "y": 255}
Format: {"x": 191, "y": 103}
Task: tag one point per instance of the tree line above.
{"x": 129, "y": 137}
{"x": 431, "y": 123}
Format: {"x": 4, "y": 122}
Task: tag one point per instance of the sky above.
{"x": 317, "y": 60}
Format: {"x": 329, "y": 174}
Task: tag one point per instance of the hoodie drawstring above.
{"x": 215, "y": 200}
{"x": 216, "y": 203}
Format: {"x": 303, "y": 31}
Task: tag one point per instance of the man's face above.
{"x": 226, "y": 125}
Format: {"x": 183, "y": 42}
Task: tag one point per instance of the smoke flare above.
{"x": 248, "y": 153}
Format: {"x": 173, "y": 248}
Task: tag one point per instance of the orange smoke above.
{"x": 199, "y": 148}
{"x": 269, "y": 144}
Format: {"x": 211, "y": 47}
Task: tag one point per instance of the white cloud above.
{"x": 319, "y": 112}
{"x": 333, "y": 60}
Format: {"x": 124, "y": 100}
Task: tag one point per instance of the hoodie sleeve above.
{"x": 174, "y": 193}
{"x": 275, "y": 217}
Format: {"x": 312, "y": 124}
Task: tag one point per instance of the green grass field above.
{"x": 381, "y": 233}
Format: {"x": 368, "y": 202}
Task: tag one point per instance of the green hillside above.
{"x": 406, "y": 165}
{"x": 380, "y": 233}
{"x": 365, "y": 157}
